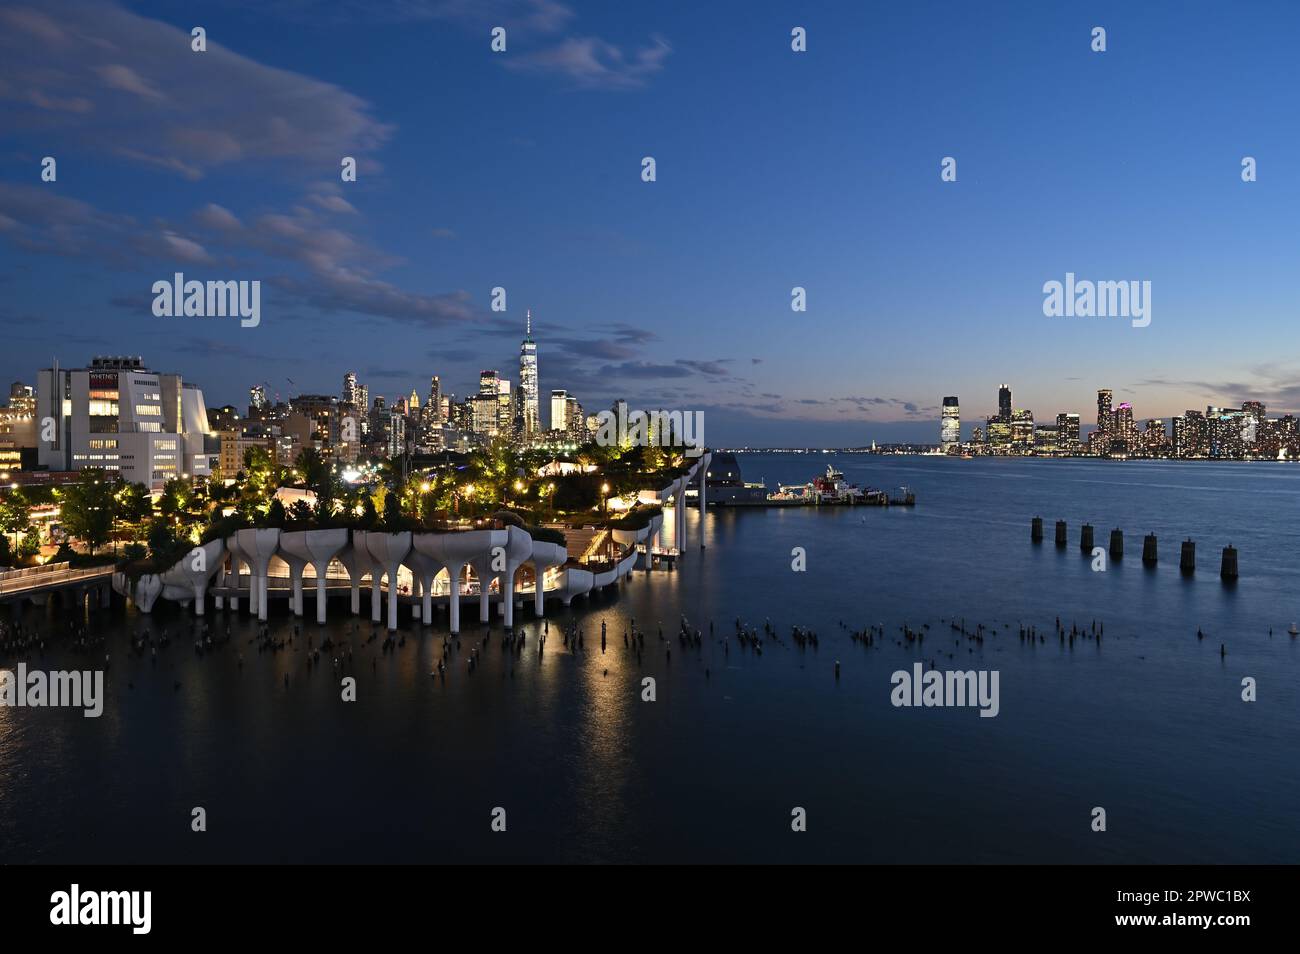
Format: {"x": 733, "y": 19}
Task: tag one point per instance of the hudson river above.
{"x": 1147, "y": 722}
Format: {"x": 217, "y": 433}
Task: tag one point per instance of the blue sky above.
{"x": 775, "y": 169}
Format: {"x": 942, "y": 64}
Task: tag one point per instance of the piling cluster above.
{"x": 1228, "y": 570}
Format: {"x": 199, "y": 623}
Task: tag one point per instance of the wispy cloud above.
{"x": 101, "y": 77}
{"x": 589, "y": 62}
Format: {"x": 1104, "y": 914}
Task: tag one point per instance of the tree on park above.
{"x": 134, "y": 503}
{"x": 15, "y": 515}
{"x": 392, "y": 513}
{"x": 89, "y": 507}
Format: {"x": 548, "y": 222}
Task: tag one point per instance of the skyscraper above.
{"x": 950, "y": 425}
{"x": 435, "y": 399}
{"x": 532, "y": 424}
{"x": 1123, "y": 432}
{"x": 559, "y": 407}
{"x": 1067, "y": 432}
{"x": 1004, "y": 403}
{"x": 1105, "y": 417}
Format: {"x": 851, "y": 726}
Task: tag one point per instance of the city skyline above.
{"x": 532, "y": 184}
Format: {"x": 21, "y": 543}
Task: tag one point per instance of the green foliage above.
{"x": 369, "y": 516}
{"x": 89, "y": 506}
{"x": 166, "y": 546}
{"x": 392, "y": 521}
{"x": 547, "y": 535}
{"x": 222, "y": 527}
{"x": 275, "y": 516}
{"x": 576, "y": 492}
{"x": 176, "y": 495}
{"x": 162, "y": 538}
{"x": 15, "y": 516}
{"x": 635, "y": 519}
{"x": 31, "y": 544}
{"x": 134, "y": 503}
{"x": 300, "y": 516}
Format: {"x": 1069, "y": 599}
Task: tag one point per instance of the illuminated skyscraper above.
{"x": 1105, "y": 417}
{"x": 532, "y": 424}
{"x": 559, "y": 409}
{"x": 950, "y": 425}
{"x": 434, "y": 404}
{"x": 1123, "y": 431}
{"x": 1067, "y": 432}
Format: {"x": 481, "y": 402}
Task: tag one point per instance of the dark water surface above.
{"x": 1148, "y": 722}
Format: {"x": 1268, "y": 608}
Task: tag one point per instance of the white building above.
{"x": 119, "y": 415}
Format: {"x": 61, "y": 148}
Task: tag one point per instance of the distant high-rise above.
{"x": 505, "y": 407}
{"x": 1022, "y": 430}
{"x": 435, "y": 399}
{"x": 1004, "y": 403}
{"x": 1105, "y": 417}
{"x": 529, "y": 414}
{"x": 350, "y": 388}
{"x": 950, "y": 425}
{"x": 256, "y": 398}
{"x": 1067, "y": 432}
{"x": 559, "y": 407}
{"x": 1122, "y": 430}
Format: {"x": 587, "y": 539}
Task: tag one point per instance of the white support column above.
{"x": 320, "y": 591}
{"x": 454, "y": 571}
{"x": 375, "y": 612}
{"x": 508, "y": 594}
{"x": 295, "y": 592}
{"x": 484, "y": 573}
{"x": 539, "y": 597}
{"x": 392, "y": 597}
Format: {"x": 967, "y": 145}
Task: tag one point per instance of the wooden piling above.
{"x": 1228, "y": 569}
{"x": 1187, "y": 562}
{"x": 1149, "y": 557}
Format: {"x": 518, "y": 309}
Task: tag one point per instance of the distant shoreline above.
{"x": 900, "y": 451}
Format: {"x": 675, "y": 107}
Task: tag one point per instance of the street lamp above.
{"x": 604, "y": 499}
